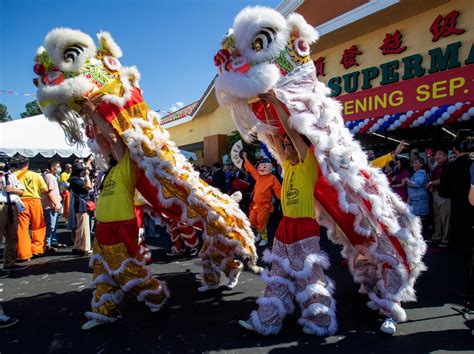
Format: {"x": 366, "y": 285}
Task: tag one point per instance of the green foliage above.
{"x": 4, "y": 115}
{"x": 235, "y": 136}
{"x": 32, "y": 109}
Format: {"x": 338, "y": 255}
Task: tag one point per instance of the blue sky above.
{"x": 172, "y": 42}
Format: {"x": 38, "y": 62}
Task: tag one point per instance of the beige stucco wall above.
{"x": 218, "y": 122}
{"x": 416, "y": 36}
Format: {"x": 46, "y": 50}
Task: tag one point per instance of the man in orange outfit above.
{"x": 262, "y": 207}
{"x": 35, "y": 186}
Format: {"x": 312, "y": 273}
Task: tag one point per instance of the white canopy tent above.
{"x": 36, "y": 135}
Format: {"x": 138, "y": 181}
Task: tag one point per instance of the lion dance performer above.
{"x": 381, "y": 239}
{"x": 74, "y": 74}
{"x": 262, "y": 207}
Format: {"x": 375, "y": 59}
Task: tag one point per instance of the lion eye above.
{"x": 263, "y": 39}
{"x": 72, "y": 52}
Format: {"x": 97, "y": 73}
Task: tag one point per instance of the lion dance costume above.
{"x": 381, "y": 239}
{"x": 71, "y": 68}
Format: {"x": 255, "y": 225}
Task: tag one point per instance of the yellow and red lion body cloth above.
{"x": 71, "y": 68}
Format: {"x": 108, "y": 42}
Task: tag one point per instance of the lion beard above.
{"x": 70, "y": 121}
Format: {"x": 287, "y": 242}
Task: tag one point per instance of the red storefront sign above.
{"x": 445, "y": 87}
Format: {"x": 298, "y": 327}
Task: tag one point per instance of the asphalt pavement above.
{"x": 51, "y": 296}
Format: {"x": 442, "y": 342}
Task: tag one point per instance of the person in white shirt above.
{"x": 10, "y": 203}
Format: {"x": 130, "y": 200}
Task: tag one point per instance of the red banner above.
{"x": 445, "y": 87}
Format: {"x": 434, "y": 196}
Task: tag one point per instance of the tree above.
{"x": 32, "y": 109}
{"x": 4, "y": 115}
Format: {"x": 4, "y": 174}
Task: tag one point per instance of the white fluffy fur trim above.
{"x": 136, "y": 282}
{"x": 320, "y": 331}
{"x": 260, "y": 328}
{"x": 60, "y": 38}
{"x": 129, "y": 78}
{"x": 306, "y": 31}
{"x": 115, "y": 297}
{"x": 273, "y": 301}
{"x": 109, "y": 44}
{"x": 236, "y": 196}
{"x": 320, "y": 258}
{"x": 163, "y": 288}
{"x": 317, "y": 308}
{"x": 279, "y": 280}
{"x": 233, "y": 85}
{"x": 99, "y": 317}
{"x": 394, "y": 308}
{"x": 312, "y": 289}
{"x": 103, "y": 278}
{"x": 249, "y": 22}
{"x": 98, "y": 258}
{"x": 65, "y": 91}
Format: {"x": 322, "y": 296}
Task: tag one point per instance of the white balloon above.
{"x": 440, "y": 121}
{"x": 409, "y": 113}
{"x": 471, "y": 111}
{"x": 427, "y": 114}
{"x": 465, "y": 117}
{"x": 421, "y": 120}
{"x": 459, "y": 105}
{"x": 398, "y": 123}
{"x": 445, "y": 115}
{"x": 434, "y": 109}
{"x": 451, "y": 109}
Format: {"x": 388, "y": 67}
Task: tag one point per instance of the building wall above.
{"x": 215, "y": 126}
{"x": 416, "y": 36}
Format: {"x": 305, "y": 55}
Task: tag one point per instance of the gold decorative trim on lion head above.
{"x": 70, "y": 68}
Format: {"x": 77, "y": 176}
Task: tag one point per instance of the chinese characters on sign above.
{"x": 319, "y": 64}
{"x": 392, "y": 44}
{"x": 349, "y": 57}
{"x": 445, "y": 26}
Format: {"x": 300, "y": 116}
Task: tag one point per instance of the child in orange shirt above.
{"x": 262, "y": 207}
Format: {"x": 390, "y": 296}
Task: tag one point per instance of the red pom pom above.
{"x": 39, "y": 69}
{"x": 221, "y": 57}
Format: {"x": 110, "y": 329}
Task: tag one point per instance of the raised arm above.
{"x": 298, "y": 142}
{"x": 101, "y": 127}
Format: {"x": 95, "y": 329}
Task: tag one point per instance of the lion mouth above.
{"x": 234, "y": 86}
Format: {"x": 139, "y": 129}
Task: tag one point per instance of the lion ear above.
{"x": 108, "y": 44}
{"x": 304, "y": 30}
